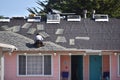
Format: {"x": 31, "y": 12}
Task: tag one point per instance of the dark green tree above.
{"x": 111, "y": 7}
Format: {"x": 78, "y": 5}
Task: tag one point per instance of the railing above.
{"x": 73, "y": 18}
{"x": 53, "y": 18}
{"x": 101, "y": 17}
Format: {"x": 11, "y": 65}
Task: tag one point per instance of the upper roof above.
{"x": 85, "y": 34}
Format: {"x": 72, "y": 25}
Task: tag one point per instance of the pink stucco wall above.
{"x": 86, "y": 67}
{"x": 65, "y": 64}
{"x": 11, "y": 69}
{"x": 114, "y": 67}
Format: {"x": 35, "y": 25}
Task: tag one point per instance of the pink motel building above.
{"x": 74, "y": 48}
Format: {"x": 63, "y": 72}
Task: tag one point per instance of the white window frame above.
{"x": 118, "y": 65}
{"x": 42, "y": 63}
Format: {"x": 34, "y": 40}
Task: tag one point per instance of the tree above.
{"x": 111, "y": 7}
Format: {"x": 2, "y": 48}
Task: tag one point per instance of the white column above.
{"x": 1, "y": 65}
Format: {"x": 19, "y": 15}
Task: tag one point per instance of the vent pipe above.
{"x": 85, "y": 13}
{"x": 93, "y": 14}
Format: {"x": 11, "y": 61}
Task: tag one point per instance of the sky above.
{"x": 16, "y": 8}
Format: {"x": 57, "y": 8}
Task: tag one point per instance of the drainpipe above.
{"x": 1, "y": 65}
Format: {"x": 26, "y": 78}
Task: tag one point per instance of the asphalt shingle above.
{"x": 102, "y": 35}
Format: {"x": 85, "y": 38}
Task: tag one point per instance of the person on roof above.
{"x": 38, "y": 40}
{"x": 39, "y": 37}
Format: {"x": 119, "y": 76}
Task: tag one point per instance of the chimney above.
{"x": 85, "y": 13}
{"x": 93, "y": 13}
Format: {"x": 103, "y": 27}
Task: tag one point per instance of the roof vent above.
{"x": 85, "y": 13}
{"x": 101, "y": 17}
{"x": 53, "y": 18}
{"x": 34, "y": 19}
{"x": 73, "y": 18}
{"x": 18, "y": 17}
{"x": 5, "y": 19}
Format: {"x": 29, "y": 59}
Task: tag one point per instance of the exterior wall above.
{"x": 86, "y": 67}
{"x": 65, "y": 64}
{"x": 106, "y": 63}
{"x": 11, "y": 69}
{"x": 114, "y": 67}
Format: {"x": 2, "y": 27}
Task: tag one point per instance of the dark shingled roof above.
{"x": 24, "y": 43}
{"x": 103, "y": 35}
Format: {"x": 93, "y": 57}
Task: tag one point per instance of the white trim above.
{"x": 88, "y": 66}
{"x": 59, "y": 66}
{"x": 2, "y": 67}
{"x": 4, "y": 20}
{"x": 118, "y": 65}
{"x": 70, "y": 69}
{"x": 93, "y": 51}
{"x": 7, "y": 46}
{"x": 42, "y": 65}
{"x": 83, "y": 66}
{"x": 110, "y": 66}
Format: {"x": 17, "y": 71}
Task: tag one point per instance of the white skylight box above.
{"x": 53, "y": 18}
{"x": 34, "y": 19}
{"x": 101, "y": 17}
{"x": 73, "y": 18}
{"x": 5, "y": 20}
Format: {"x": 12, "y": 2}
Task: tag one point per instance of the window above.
{"x": 34, "y": 65}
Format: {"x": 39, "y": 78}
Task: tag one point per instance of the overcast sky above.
{"x": 9, "y": 8}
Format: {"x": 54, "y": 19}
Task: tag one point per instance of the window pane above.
{"x": 34, "y": 65}
{"x": 22, "y": 65}
{"x": 47, "y": 65}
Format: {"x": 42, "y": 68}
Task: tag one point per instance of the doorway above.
{"x": 76, "y": 67}
{"x": 95, "y": 67}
